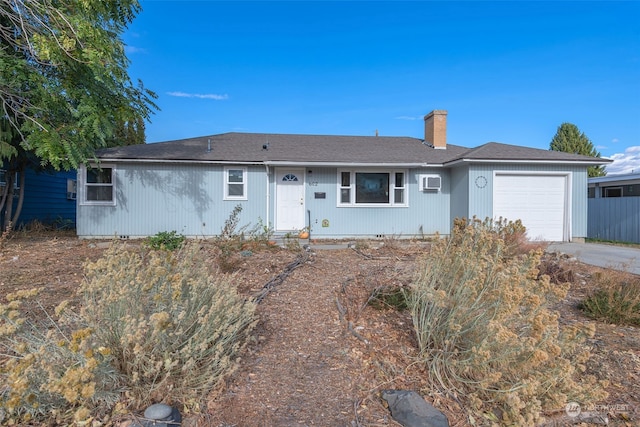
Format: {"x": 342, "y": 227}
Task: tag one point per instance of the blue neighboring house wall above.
{"x": 49, "y": 198}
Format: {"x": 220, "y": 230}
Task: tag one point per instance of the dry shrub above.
{"x": 553, "y": 266}
{"x": 173, "y": 328}
{"x": 391, "y": 242}
{"x": 49, "y": 372}
{"x": 35, "y": 227}
{"x": 513, "y": 234}
{"x": 616, "y": 298}
{"x": 5, "y": 235}
{"x": 485, "y": 331}
{"x": 233, "y": 239}
{"x": 155, "y": 325}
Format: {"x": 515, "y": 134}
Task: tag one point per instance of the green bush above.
{"x": 384, "y": 297}
{"x": 485, "y": 330}
{"x": 167, "y": 240}
{"x": 615, "y": 300}
{"x": 155, "y": 325}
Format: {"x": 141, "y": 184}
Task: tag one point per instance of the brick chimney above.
{"x": 435, "y": 129}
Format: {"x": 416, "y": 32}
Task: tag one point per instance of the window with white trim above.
{"x": 399, "y": 188}
{"x": 3, "y": 179}
{"x": 235, "y": 183}
{"x": 99, "y": 185}
{"x": 372, "y": 188}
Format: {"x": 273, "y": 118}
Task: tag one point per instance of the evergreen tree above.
{"x": 569, "y": 139}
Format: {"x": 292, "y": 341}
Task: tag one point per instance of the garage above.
{"x": 540, "y": 201}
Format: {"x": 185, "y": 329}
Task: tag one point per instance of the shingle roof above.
{"x": 504, "y": 152}
{"x": 329, "y": 149}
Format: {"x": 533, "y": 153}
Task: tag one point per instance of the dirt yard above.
{"x": 321, "y": 354}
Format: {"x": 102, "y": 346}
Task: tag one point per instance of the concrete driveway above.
{"x": 607, "y": 256}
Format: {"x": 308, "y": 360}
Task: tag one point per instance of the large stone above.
{"x": 158, "y": 411}
{"x": 160, "y": 415}
{"x": 411, "y": 410}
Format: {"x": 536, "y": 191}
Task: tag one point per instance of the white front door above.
{"x": 290, "y": 199}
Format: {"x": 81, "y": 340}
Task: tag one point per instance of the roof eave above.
{"x": 191, "y": 162}
{"x": 284, "y": 163}
{"x": 521, "y": 161}
{"x": 627, "y": 178}
{"x": 274, "y": 163}
{"x": 351, "y": 164}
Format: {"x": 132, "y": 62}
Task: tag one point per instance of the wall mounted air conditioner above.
{"x": 430, "y": 182}
{"x": 72, "y": 189}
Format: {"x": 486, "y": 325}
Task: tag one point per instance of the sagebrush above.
{"x": 173, "y": 327}
{"x": 152, "y": 326}
{"x": 49, "y": 371}
{"x": 485, "y": 330}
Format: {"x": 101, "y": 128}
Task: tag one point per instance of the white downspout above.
{"x": 268, "y": 196}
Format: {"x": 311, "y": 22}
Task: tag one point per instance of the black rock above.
{"x": 411, "y": 410}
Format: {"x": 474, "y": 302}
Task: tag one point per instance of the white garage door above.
{"x": 540, "y": 201}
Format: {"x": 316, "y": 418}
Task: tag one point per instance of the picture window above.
{"x": 372, "y": 188}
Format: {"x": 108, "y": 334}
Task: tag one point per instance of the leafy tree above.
{"x": 569, "y": 139}
{"x": 64, "y": 87}
{"x": 9, "y": 143}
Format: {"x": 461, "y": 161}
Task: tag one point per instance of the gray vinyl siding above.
{"x": 426, "y": 213}
{"x": 615, "y": 218}
{"x": 188, "y": 199}
{"x": 579, "y": 203}
{"x": 459, "y": 193}
{"x": 481, "y": 199}
{"x": 156, "y": 197}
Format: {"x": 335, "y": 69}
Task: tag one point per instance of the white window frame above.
{"x": 82, "y": 177}
{"x": 244, "y": 183}
{"x": 16, "y": 179}
{"x": 392, "y": 188}
{"x": 402, "y": 187}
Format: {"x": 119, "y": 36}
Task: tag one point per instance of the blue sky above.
{"x": 506, "y": 71}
